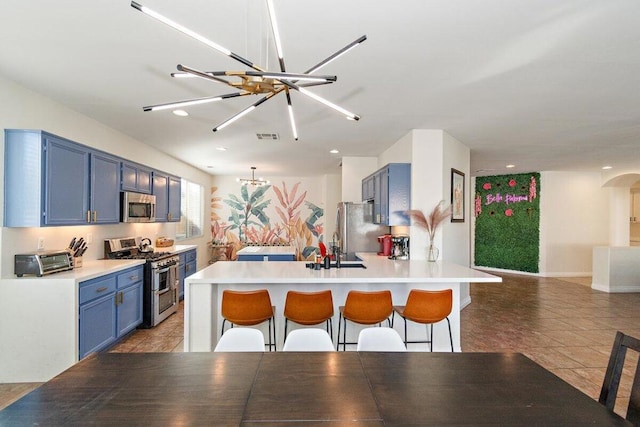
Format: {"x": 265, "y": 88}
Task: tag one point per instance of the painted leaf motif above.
{"x": 258, "y": 194}
{"x": 234, "y": 203}
{"x": 299, "y": 201}
{"x": 244, "y": 192}
{"x": 294, "y": 190}
{"x": 279, "y": 195}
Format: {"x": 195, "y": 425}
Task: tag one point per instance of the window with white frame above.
{"x": 191, "y": 211}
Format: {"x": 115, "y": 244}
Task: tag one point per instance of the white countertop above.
{"x": 89, "y": 270}
{"x": 379, "y": 270}
{"x": 267, "y": 250}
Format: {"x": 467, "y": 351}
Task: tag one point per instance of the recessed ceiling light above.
{"x": 221, "y": 149}
{"x": 511, "y": 166}
{"x": 607, "y": 167}
{"x": 334, "y": 151}
{"x": 180, "y": 113}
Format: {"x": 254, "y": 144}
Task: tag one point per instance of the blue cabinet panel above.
{"x": 105, "y": 192}
{"x": 188, "y": 266}
{"x": 167, "y": 189}
{"x": 136, "y": 178}
{"x": 272, "y": 257}
{"x": 129, "y": 308}
{"x": 66, "y": 182}
{"x": 97, "y": 324}
{"x": 391, "y": 187}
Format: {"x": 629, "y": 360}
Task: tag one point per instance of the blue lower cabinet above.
{"x": 97, "y": 324}
{"x": 129, "y": 309}
{"x": 188, "y": 266}
{"x": 110, "y": 307}
{"x": 254, "y": 257}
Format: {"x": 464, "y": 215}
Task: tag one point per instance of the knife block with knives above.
{"x": 77, "y": 247}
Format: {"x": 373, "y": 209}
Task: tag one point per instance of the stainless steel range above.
{"x": 160, "y": 296}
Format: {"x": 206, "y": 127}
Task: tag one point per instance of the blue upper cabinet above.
{"x": 167, "y": 189}
{"x": 53, "y": 181}
{"x": 135, "y": 178}
{"x": 105, "y": 192}
{"x": 390, "y": 190}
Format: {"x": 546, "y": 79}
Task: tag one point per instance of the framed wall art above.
{"x": 457, "y": 196}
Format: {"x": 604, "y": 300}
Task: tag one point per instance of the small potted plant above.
{"x": 430, "y": 223}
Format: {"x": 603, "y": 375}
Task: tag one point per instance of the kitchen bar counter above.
{"x": 267, "y": 253}
{"x": 203, "y": 291}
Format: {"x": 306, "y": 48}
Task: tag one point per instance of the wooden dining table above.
{"x": 305, "y": 389}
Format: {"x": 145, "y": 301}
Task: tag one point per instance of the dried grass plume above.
{"x": 432, "y": 221}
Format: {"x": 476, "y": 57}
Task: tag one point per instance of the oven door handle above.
{"x": 164, "y": 291}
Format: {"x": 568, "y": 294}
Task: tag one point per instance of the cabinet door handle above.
{"x": 119, "y": 298}
{"x": 133, "y": 277}
{"x": 169, "y": 216}
{"x": 95, "y": 216}
{"x": 88, "y": 216}
{"x": 104, "y": 288}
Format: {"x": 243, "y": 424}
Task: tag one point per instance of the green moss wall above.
{"x": 507, "y": 222}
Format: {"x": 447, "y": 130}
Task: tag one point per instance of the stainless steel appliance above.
{"x": 400, "y": 247}
{"x": 356, "y": 230}
{"x": 41, "y": 263}
{"x": 160, "y": 296}
{"x": 137, "y": 207}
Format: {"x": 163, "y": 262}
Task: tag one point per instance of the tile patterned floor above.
{"x": 561, "y": 324}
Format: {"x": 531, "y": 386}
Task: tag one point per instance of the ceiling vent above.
{"x": 271, "y": 136}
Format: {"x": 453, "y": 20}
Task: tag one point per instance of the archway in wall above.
{"x": 626, "y": 196}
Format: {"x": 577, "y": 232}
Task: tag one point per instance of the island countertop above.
{"x": 378, "y": 270}
{"x": 204, "y": 290}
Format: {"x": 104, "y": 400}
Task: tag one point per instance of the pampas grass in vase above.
{"x": 430, "y": 223}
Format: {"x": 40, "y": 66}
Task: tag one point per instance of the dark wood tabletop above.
{"x": 309, "y": 389}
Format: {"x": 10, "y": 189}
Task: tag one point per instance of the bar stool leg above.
{"x": 450, "y": 336}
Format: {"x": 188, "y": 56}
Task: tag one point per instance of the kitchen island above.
{"x": 203, "y": 292}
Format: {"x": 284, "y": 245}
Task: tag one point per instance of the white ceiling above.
{"x": 542, "y": 84}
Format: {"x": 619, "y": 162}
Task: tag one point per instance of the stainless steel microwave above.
{"x": 137, "y": 207}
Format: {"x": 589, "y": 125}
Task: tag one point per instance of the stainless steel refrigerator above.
{"x": 356, "y": 230}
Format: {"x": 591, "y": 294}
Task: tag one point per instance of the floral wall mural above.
{"x": 507, "y": 222}
{"x": 277, "y": 214}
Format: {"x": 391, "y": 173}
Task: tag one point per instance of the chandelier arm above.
{"x": 203, "y": 74}
{"x": 336, "y": 55}
{"x": 292, "y": 119}
{"x": 276, "y": 35}
{"x": 195, "y": 101}
{"x": 247, "y": 110}
{"x": 184, "y": 30}
{"x": 348, "y": 114}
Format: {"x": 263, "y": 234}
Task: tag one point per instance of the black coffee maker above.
{"x": 400, "y": 247}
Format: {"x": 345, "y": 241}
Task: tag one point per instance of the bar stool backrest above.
{"x": 428, "y": 306}
{"x": 368, "y": 307}
{"x": 246, "y": 308}
{"x": 308, "y": 308}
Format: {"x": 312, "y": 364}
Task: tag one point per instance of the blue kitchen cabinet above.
{"x": 53, "y": 181}
{"x": 110, "y": 306}
{"x": 167, "y": 190}
{"x": 97, "y": 314}
{"x": 129, "y": 299}
{"x": 188, "y": 266}
{"x": 267, "y": 257}
{"x": 105, "y": 193}
{"x": 368, "y": 188}
{"x": 391, "y": 194}
{"x": 135, "y": 178}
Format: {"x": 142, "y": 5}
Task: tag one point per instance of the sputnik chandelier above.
{"x": 255, "y": 82}
{"x": 253, "y": 181}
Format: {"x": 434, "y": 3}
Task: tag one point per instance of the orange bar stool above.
{"x": 309, "y": 308}
{"x": 426, "y": 307}
{"x": 249, "y": 308}
{"x": 365, "y": 308}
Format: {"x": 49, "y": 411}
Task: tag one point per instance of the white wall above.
{"x": 574, "y": 218}
{"x": 21, "y": 108}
